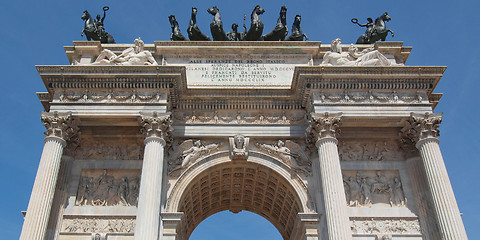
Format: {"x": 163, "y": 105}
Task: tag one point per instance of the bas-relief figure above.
{"x": 375, "y": 31}
{"x": 363, "y": 188}
{"x": 120, "y": 150}
{"x": 367, "y": 57}
{"x": 369, "y": 150}
{"x": 106, "y": 190}
{"x": 97, "y": 225}
{"x": 94, "y": 29}
{"x": 289, "y": 152}
{"x": 239, "y": 147}
{"x": 189, "y": 151}
{"x": 130, "y": 56}
{"x": 385, "y": 228}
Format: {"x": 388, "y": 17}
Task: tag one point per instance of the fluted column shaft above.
{"x": 323, "y": 128}
{"x": 421, "y": 130}
{"x": 157, "y": 130}
{"x": 39, "y": 206}
{"x": 448, "y": 215}
{"x": 59, "y": 128}
{"x": 149, "y": 202}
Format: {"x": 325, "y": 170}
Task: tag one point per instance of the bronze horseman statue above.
{"x": 94, "y": 29}
{"x": 375, "y": 31}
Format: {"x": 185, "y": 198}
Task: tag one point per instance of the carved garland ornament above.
{"x": 110, "y": 96}
{"x": 363, "y": 97}
{"x": 238, "y": 118}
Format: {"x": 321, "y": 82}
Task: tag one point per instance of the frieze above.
{"x": 370, "y": 97}
{"x": 111, "y": 150}
{"x": 240, "y": 118}
{"x": 289, "y": 152}
{"x": 106, "y": 189}
{"x": 109, "y": 96}
{"x": 367, "y": 188}
{"x": 370, "y": 150}
{"x": 99, "y": 225}
{"x": 385, "y": 226}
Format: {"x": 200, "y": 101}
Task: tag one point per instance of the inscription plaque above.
{"x": 239, "y": 71}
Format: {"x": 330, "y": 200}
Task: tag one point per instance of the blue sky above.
{"x": 442, "y": 33}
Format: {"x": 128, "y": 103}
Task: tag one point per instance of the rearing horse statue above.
{"x": 216, "y": 26}
{"x": 379, "y": 31}
{"x": 256, "y": 26}
{"x": 193, "y": 30}
{"x": 281, "y": 30}
{"x": 92, "y": 31}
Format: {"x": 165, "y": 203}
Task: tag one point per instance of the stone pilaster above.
{"x": 60, "y": 128}
{"x": 323, "y": 129}
{"x": 422, "y": 130}
{"x": 157, "y": 130}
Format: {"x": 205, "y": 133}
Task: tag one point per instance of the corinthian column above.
{"x": 322, "y": 130}
{"x": 157, "y": 130}
{"x": 60, "y": 128}
{"x": 422, "y": 130}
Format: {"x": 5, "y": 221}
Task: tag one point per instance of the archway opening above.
{"x": 238, "y": 186}
{"x": 242, "y": 225}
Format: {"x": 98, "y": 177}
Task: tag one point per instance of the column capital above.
{"x": 60, "y": 125}
{"x": 323, "y": 126}
{"x": 421, "y": 127}
{"x": 155, "y": 125}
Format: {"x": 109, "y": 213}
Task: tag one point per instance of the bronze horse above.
{"x": 216, "y": 26}
{"x": 378, "y": 32}
{"x": 91, "y": 30}
{"x": 256, "y": 26}
{"x": 176, "y": 33}
{"x": 281, "y": 30}
{"x": 193, "y": 30}
{"x": 297, "y": 34}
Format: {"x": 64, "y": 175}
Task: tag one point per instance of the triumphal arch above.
{"x": 325, "y": 141}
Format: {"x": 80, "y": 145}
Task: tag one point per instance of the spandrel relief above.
{"x": 98, "y": 225}
{"x": 380, "y": 150}
{"x": 110, "y": 149}
{"x": 289, "y": 153}
{"x": 188, "y": 152}
{"x": 368, "y": 188}
{"x": 98, "y": 187}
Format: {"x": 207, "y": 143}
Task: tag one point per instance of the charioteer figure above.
{"x": 375, "y": 30}
{"x": 94, "y": 29}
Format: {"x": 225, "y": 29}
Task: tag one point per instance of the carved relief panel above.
{"x": 369, "y": 150}
{"x": 371, "y": 187}
{"x": 99, "y": 225}
{"x": 99, "y": 187}
{"x": 110, "y": 149}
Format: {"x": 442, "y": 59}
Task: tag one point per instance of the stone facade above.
{"x": 321, "y": 151}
